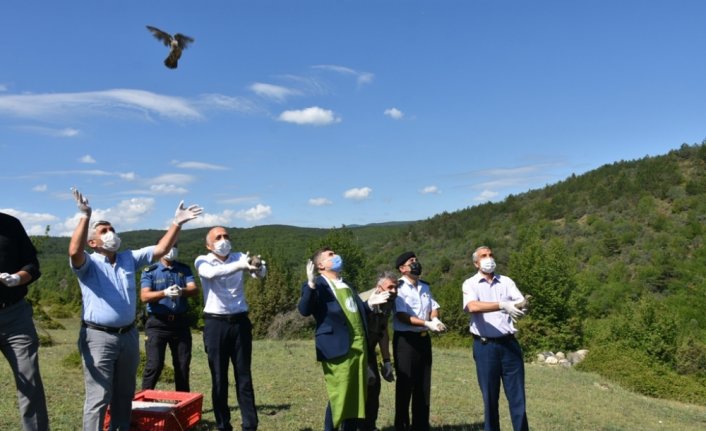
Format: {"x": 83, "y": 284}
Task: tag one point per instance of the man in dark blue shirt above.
{"x": 165, "y": 286}
{"x": 18, "y": 337}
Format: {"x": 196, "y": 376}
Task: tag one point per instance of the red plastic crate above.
{"x": 163, "y": 411}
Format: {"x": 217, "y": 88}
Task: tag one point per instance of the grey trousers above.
{"x": 109, "y": 368}
{"x": 20, "y": 345}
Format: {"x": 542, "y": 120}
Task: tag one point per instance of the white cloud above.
{"x": 87, "y": 159}
{"x": 394, "y": 113}
{"x": 237, "y": 200}
{"x": 178, "y": 179}
{"x": 92, "y": 102}
{"x": 66, "y": 132}
{"x": 319, "y": 202}
{"x": 271, "y": 91}
{"x": 429, "y": 190}
{"x": 358, "y": 193}
{"x": 209, "y": 220}
{"x": 485, "y": 196}
{"x": 361, "y": 77}
{"x": 314, "y": 115}
{"x": 199, "y": 165}
{"x": 40, "y": 188}
{"x": 128, "y": 176}
{"x": 258, "y": 212}
{"x": 33, "y": 223}
{"x": 226, "y": 103}
{"x": 167, "y": 189}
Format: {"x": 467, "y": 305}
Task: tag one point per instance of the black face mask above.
{"x": 415, "y": 268}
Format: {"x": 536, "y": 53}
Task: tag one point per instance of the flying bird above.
{"x": 176, "y": 44}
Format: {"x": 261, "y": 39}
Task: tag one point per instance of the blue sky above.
{"x": 323, "y": 113}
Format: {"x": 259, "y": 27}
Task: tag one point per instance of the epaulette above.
{"x": 425, "y": 282}
{"x": 150, "y": 268}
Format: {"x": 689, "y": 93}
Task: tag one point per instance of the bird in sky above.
{"x": 176, "y": 44}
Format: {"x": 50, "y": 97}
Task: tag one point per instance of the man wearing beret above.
{"x": 416, "y": 313}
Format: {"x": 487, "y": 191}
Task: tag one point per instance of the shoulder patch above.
{"x": 150, "y": 268}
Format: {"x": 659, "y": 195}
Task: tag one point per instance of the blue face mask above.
{"x": 336, "y": 263}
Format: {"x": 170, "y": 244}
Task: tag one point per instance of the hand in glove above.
{"x": 310, "y": 273}
{"x": 386, "y": 371}
{"x": 183, "y": 214}
{"x": 9, "y": 280}
{"x": 509, "y": 308}
{"x": 378, "y": 298}
{"x": 82, "y": 203}
{"x": 172, "y": 291}
{"x": 243, "y": 263}
{"x": 435, "y": 325}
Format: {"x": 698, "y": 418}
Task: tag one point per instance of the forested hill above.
{"x": 615, "y": 260}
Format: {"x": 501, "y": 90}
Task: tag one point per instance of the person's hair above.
{"x": 211, "y": 230}
{"x": 475, "y": 253}
{"x": 386, "y": 275}
{"x": 94, "y": 225}
{"x": 318, "y": 253}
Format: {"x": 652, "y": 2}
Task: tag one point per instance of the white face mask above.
{"x": 222, "y": 247}
{"x": 487, "y": 265}
{"x": 111, "y": 241}
{"x": 172, "y": 255}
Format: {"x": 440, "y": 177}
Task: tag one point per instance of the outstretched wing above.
{"x": 163, "y": 36}
{"x": 183, "y": 40}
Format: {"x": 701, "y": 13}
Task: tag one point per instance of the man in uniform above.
{"x": 165, "y": 287}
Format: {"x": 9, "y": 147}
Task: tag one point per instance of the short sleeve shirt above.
{"x": 158, "y": 278}
{"x": 108, "y": 290}
{"x": 415, "y": 301}
{"x": 494, "y": 323}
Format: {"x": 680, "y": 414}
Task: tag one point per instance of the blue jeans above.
{"x": 20, "y": 345}
{"x": 496, "y": 361}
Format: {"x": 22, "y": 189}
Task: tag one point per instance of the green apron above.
{"x": 346, "y": 376}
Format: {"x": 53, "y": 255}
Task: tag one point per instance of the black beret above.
{"x": 404, "y": 257}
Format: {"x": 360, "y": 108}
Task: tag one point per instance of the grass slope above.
{"x": 290, "y": 393}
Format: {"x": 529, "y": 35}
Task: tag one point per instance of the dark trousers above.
{"x": 177, "y": 335}
{"x": 372, "y": 402}
{"x": 230, "y": 341}
{"x": 412, "y": 352}
{"x": 346, "y": 424}
{"x": 496, "y": 361}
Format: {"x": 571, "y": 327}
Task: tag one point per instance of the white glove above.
{"x": 435, "y": 325}
{"x": 182, "y": 214}
{"x": 243, "y": 263}
{"x": 82, "y": 203}
{"x": 386, "y": 371}
{"x": 439, "y": 324}
{"x": 378, "y": 298}
{"x": 509, "y": 308}
{"x": 172, "y": 291}
{"x": 10, "y": 280}
{"x": 310, "y": 273}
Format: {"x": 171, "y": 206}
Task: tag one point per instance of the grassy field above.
{"x": 290, "y": 393}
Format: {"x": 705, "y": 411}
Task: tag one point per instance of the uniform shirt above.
{"x": 158, "y": 277}
{"x": 415, "y": 301}
{"x": 16, "y": 253}
{"x": 495, "y": 323}
{"x": 223, "y": 291}
{"x": 108, "y": 290}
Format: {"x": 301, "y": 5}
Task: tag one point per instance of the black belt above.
{"x": 227, "y": 317}
{"x": 5, "y": 304}
{"x": 414, "y": 333}
{"x": 109, "y": 329}
{"x": 169, "y": 317}
{"x": 486, "y": 340}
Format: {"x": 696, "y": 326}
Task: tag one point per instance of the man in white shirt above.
{"x": 416, "y": 313}
{"x": 227, "y": 333}
{"x": 491, "y": 299}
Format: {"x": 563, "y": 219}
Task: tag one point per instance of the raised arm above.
{"x": 80, "y": 236}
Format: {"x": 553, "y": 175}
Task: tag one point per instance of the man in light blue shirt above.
{"x": 108, "y": 340}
